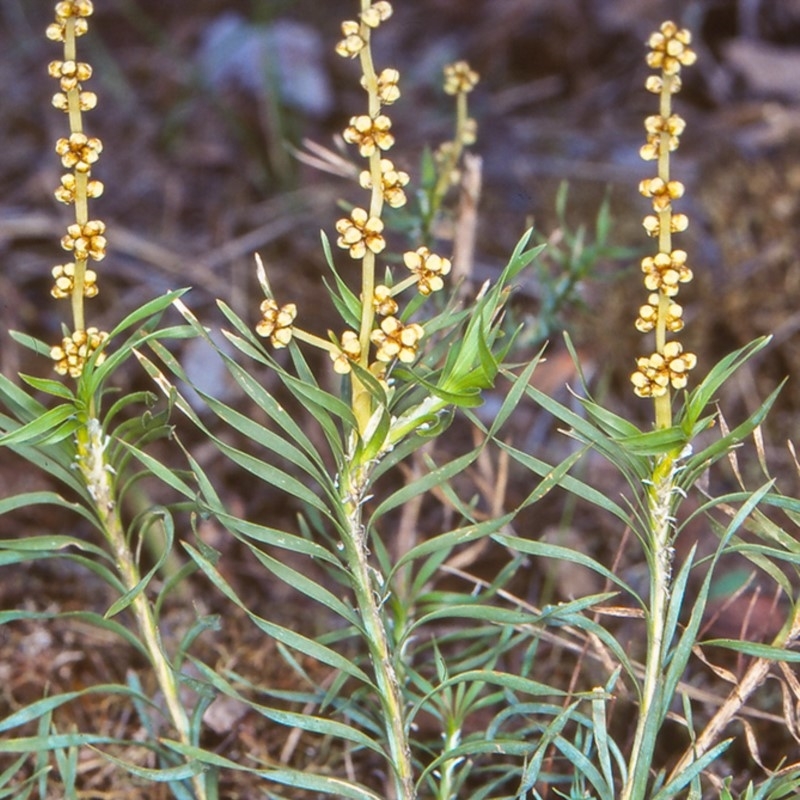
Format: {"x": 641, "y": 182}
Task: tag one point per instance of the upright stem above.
{"x": 369, "y": 606}
{"x": 660, "y": 496}
{"x": 96, "y": 472}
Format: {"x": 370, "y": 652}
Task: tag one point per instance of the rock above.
{"x": 258, "y": 59}
{"x": 767, "y": 70}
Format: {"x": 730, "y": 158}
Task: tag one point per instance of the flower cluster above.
{"x": 384, "y": 334}
{"x": 667, "y": 269}
{"x": 360, "y": 233}
{"x": 396, "y": 340}
{"x": 428, "y": 268}
{"x": 356, "y": 34}
{"x": 392, "y": 183}
{"x": 71, "y": 355}
{"x": 85, "y": 238}
{"x": 459, "y": 78}
{"x": 276, "y": 322}
{"x": 370, "y": 134}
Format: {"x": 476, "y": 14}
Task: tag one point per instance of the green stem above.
{"x": 97, "y": 475}
{"x": 660, "y": 496}
{"x": 369, "y": 606}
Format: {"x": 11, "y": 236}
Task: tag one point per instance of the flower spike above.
{"x": 667, "y": 367}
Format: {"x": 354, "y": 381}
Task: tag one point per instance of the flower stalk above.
{"x": 85, "y": 240}
{"x": 659, "y": 373}
{"x": 384, "y": 337}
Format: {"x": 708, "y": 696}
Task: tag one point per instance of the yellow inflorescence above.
{"x": 668, "y": 366}
{"x": 459, "y": 78}
{"x": 85, "y": 238}
{"x": 429, "y": 269}
{"x": 382, "y": 337}
{"x": 71, "y": 355}
{"x": 396, "y": 340}
{"x": 276, "y": 322}
{"x": 360, "y": 233}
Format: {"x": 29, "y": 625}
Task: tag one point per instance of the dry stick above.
{"x": 736, "y": 700}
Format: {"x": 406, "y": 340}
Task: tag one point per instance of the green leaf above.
{"x": 37, "y": 345}
{"x": 514, "y": 395}
{"x": 48, "y": 386}
{"x": 34, "y": 431}
{"x": 308, "y": 586}
{"x": 149, "y": 310}
{"x": 34, "y": 744}
{"x": 542, "y": 549}
{"x": 700, "y": 462}
{"x": 702, "y": 395}
{"x": 165, "y": 551}
{"x": 765, "y": 651}
{"x": 156, "y": 775}
{"x": 347, "y": 303}
{"x": 32, "y": 499}
{"x": 577, "y": 487}
{"x": 687, "y": 775}
{"x": 445, "y": 542}
{"x": 425, "y": 483}
{"x": 34, "y": 710}
{"x": 336, "y": 787}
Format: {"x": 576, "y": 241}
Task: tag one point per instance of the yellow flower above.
{"x": 392, "y": 181}
{"x": 661, "y": 192}
{"x": 377, "y": 13}
{"x": 75, "y": 350}
{"x": 459, "y": 78}
{"x": 79, "y": 9}
{"x": 86, "y": 240}
{"x": 66, "y": 192}
{"x": 369, "y": 134}
{"x": 276, "y": 323}
{"x": 353, "y": 43}
{"x": 79, "y": 152}
{"x": 655, "y": 83}
{"x": 655, "y": 373}
{"x": 382, "y": 301}
{"x": 469, "y": 131}
{"x": 648, "y": 316}
{"x": 429, "y": 269}
{"x": 70, "y": 74}
{"x": 359, "y": 233}
{"x": 396, "y": 340}
{"x": 677, "y": 224}
{"x": 670, "y": 49}
{"x": 388, "y": 90}
{"x": 350, "y": 351}
{"x": 655, "y": 127}
{"x": 664, "y": 271}
{"x": 64, "y": 281}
